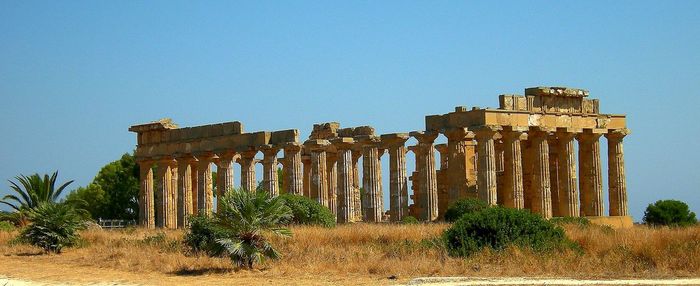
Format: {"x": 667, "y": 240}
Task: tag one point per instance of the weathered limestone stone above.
{"x": 591, "y": 181}
{"x": 428, "y": 203}
{"x": 205, "y": 195}
{"x": 568, "y": 186}
{"x": 146, "y": 206}
{"x": 193, "y": 185}
{"x": 319, "y": 184}
{"x": 616, "y": 173}
{"x": 459, "y": 141}
{"x": 486, "y": 164}
{"x": 248, "y": 161}
{"x": 306, "y": 161}
{"x": 332, "y": 180}
{"x": 269, "y": 162}
{"x": 512, "y": 193}
{"x": 552, "y": 143}
{"x": 184, "y": 190}
{"x": 398, "y": 187}
{"x": 224, "y": 176}
{"x": 163, "y": 194}
{"x": 293, "y": 169}
{"x": 346, "y": 204}
{"x": 442, "y": 180}
{"x": 415, "y": 209}
{"x": 372, "y": 203}
{"x": 357, "y": 199}
{"x": 172, "y": 207}
{"x": 541, "y": 195}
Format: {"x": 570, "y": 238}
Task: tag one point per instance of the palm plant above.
{"x": 54, "y": 226}
{"x": 33, "y": 190}
{"x": 247, "y": 219}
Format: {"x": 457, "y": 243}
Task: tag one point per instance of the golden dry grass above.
{"x": 363, "y": 254}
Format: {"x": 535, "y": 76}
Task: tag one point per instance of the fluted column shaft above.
{"x": 247, "y": 161}
{"x": 617, "y": 183}
{"x": 164, "y": 196}
{"x": 293, "y": 173}
{"x": 371, "y": 172}
{"x": 205, "y": 195}
{"x": 194, "y": 184}
{"x": 486, "y": 155}
{"x": 319, "y": 175}
{"x": 512, "y": 193}
{"x": 172, "y": 207}
{"x": 457, "y": 141}
{"x": 224, "y": 178}
{"x": 306, "y": 160}
{"x": 425, "y": 152}
{"x": 568, "y": 183}
{"x": 346, "y": 204}
{"x": 332, "y": 180}
{"x": 184, "y": 192}
{"x": 269, "y": 162}
{"x": 398, "y": 185}
{"x": 542, "y": 196}
{"x": 591, "y": 181}
{"x": 356, "y": 197}
{"x": 146, "y": 196}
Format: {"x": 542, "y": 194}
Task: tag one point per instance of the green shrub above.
{"x": 53, "y": 226}
{"x": 670, "y": 213}
{"x": 6, "y": 226}
{"x": 464, "y": 206}
{"x": 499, "y": 227}
{"x": 202, "y": 235}
{"x": 307, "y": 211}
{"x": 578, "y": 221}
{"x": 409, "y": 220}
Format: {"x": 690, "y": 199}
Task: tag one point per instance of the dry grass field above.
{"x": 360, "y": 254}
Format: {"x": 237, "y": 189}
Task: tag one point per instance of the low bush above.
{"x": 202, "y": 235}
{"x": 498, "y": 228}
{"x": 53, "y": 226}
{"x": 669, "y": 213}
{"x": 6, "y": 226}
{"x": 464, "y": 206}
{"x": 409, "y": 220}
{"x": 307, "y": 211}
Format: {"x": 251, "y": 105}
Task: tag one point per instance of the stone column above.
{"x": 443, "y": 180}
{"x": 457, "y": 141}
{"x": 616, "y": 173}
{"x": 372, "y": 203}
{"x": 591, "y": 181}
{"x": 164, "y": 196}
{"x": 293, "y": 169}
{"x": 306, "y": 160}
{"x": 332, "y": 180}
{"x": 224, "y": 177}
{"x": 319, "y": 185}
{"x": 194, "y": 185}
{"x": 205, "y": 195}
{"x": 427, "y": 175}
{"x": 554, "y": 188}
{"x": 541, "y": 195}
{"x": 398, "y": 186}
{"x": 486, "y": 169}
{"x": 346, "y": 203}
{"x": 146, "y": 207}
{"x": 247, "y": 161}
{"x": 270, "y": 182}
{"x": 184, "y": 191}
{"x": 568, "y": 184}
{"x": 512, "y": 193}
{"x": 357, "y": 198}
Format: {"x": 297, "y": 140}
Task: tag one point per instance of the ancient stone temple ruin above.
{"x": 521, "y": 155}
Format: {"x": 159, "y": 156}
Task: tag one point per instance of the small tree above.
{"x": 30, "y": 192}
{"x": 53, "y": 226}
{"x": 669, "y": 213}
{"x": 464, "y": 206}
{"x": 247, "y": 218}
{"x": 307, "y": 211}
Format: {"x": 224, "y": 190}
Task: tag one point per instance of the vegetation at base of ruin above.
{"x": 578, "y": 221}
{"x": 498, "y": 228}
{"x": 409, "y": 220}
{"x": 53, "y": 226}
{"x": 113, "y": 192}
{"x": 464, "y": 206}
{"x": 6, "y": 226}
{"x": 202, "y": 236}
{"x": 30, "y": 192}
{"x": 669, "y": 213}
{"x": 364, "y": 254}
{"x": 307, "y": 211}
{"x": 247, "y": 220}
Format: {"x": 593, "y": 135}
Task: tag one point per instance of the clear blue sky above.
{"x": 74, "y": 75}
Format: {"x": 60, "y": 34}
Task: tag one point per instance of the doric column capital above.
{"x": 458, "y": 134}
{"x": 442, "y": 148}
{"x": 368, "y": 140}
{"x": 269, "y": 150}
{"x": 203, "y": 157}
{"x": 167, "y": 161}
{"x": 486, "y": 132}
{"x": 617, "y": 134}
{"x": 394, "y": 140}
{"x": 343, "y": 143}
{"x": 424, "y": 137}
{"x": 316, "y": 145}
{"x": 590, "y": 135}
{"x": 248, "y": 154}
{"x": 292, "y": 146}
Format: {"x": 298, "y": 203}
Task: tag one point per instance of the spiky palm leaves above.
{"x": 248, "y": 218}
{"x": 30, "y": 192}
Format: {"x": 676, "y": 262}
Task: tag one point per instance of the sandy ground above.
{"x": 455, "y": 281}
